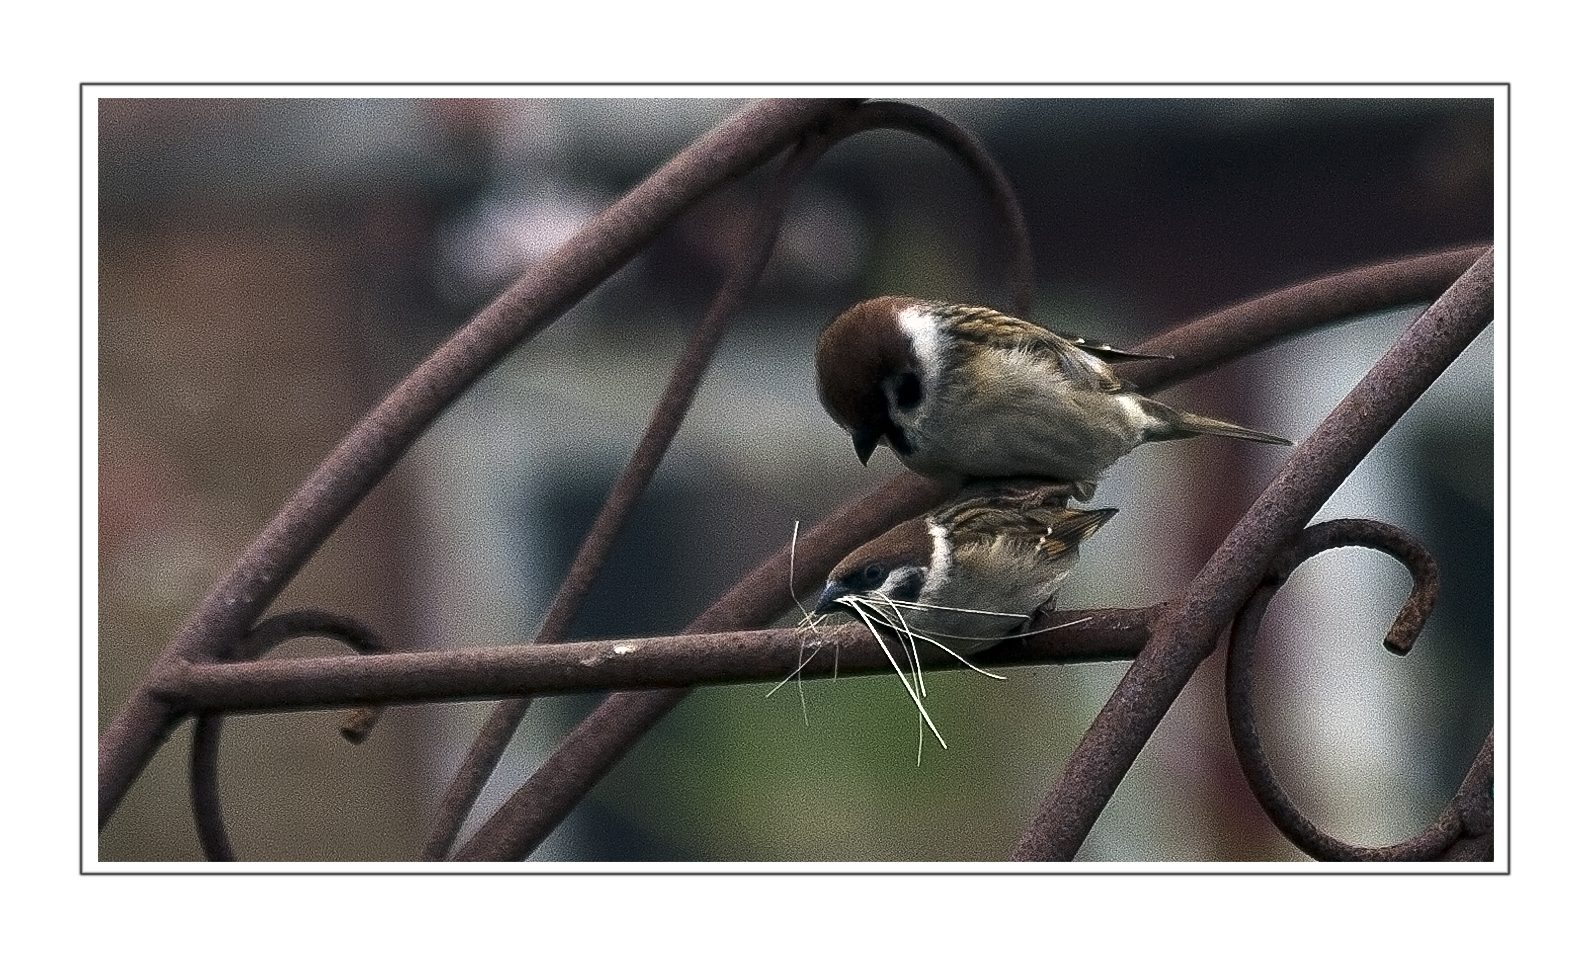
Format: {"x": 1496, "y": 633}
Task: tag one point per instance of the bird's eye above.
{"x": 910, "y": 393}
{"x": 873, "y": 575}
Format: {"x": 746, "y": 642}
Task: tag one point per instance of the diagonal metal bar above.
{"x": 1474, "y": 804}
{"x": 1272, "y": 318}
{"x": 1187, "y": 632}
{"x": 360, "y": 461}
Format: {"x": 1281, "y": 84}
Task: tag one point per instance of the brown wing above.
{"x": 1024, "y": 511}
{"x": 1066, "y": 529}
{"x": 1075, "y": 359}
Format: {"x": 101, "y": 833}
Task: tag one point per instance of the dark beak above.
{"x": 865, "y": 441}
{"x": 828, "y": 601}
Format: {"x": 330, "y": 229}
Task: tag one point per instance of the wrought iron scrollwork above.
{"x": 1459, "y": 819}
{"x": 204, "y": 761}
{"x": 1176, "y": 636}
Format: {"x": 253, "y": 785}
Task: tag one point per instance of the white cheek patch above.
{"x": 940, "y": 562}
{"x": 893, "y": 582}
{"x": 918, "y": 324}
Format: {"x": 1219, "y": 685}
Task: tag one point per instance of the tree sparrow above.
{"x": 970, "y": 573}
{"x": 966, "y": 392}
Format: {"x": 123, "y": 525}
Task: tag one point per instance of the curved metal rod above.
{"x": 603, "y": 245}
{"x": 910, "y": 118}
{"x": 1449, "y": 826}
{"x": 204, "y": 761}
{"x": 625, "y": 719}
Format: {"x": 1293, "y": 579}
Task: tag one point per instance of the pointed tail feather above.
{"x": 1191, "y": 424}
{"x": 1178, "y": 424}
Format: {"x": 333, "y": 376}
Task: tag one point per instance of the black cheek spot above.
{"x": 910, "y": 586}
{"x": 910, "y": 393}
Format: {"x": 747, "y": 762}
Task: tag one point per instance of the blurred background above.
{"x": 269, "y": 268}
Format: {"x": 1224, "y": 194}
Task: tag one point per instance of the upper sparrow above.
{"x": 964, "y": 392}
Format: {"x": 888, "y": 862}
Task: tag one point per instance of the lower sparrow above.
{"x": 970, "y": 573}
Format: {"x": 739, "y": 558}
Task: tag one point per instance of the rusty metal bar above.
{"x": 1474, "y": 804}
{"x": 1187, "y": 632}
{"x": 479, "y": 673}
{"x": 370, "y": 450}
{"x": 1273, "y": 318}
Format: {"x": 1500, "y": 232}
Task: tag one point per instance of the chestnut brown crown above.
{"x": 857, "y": 353}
